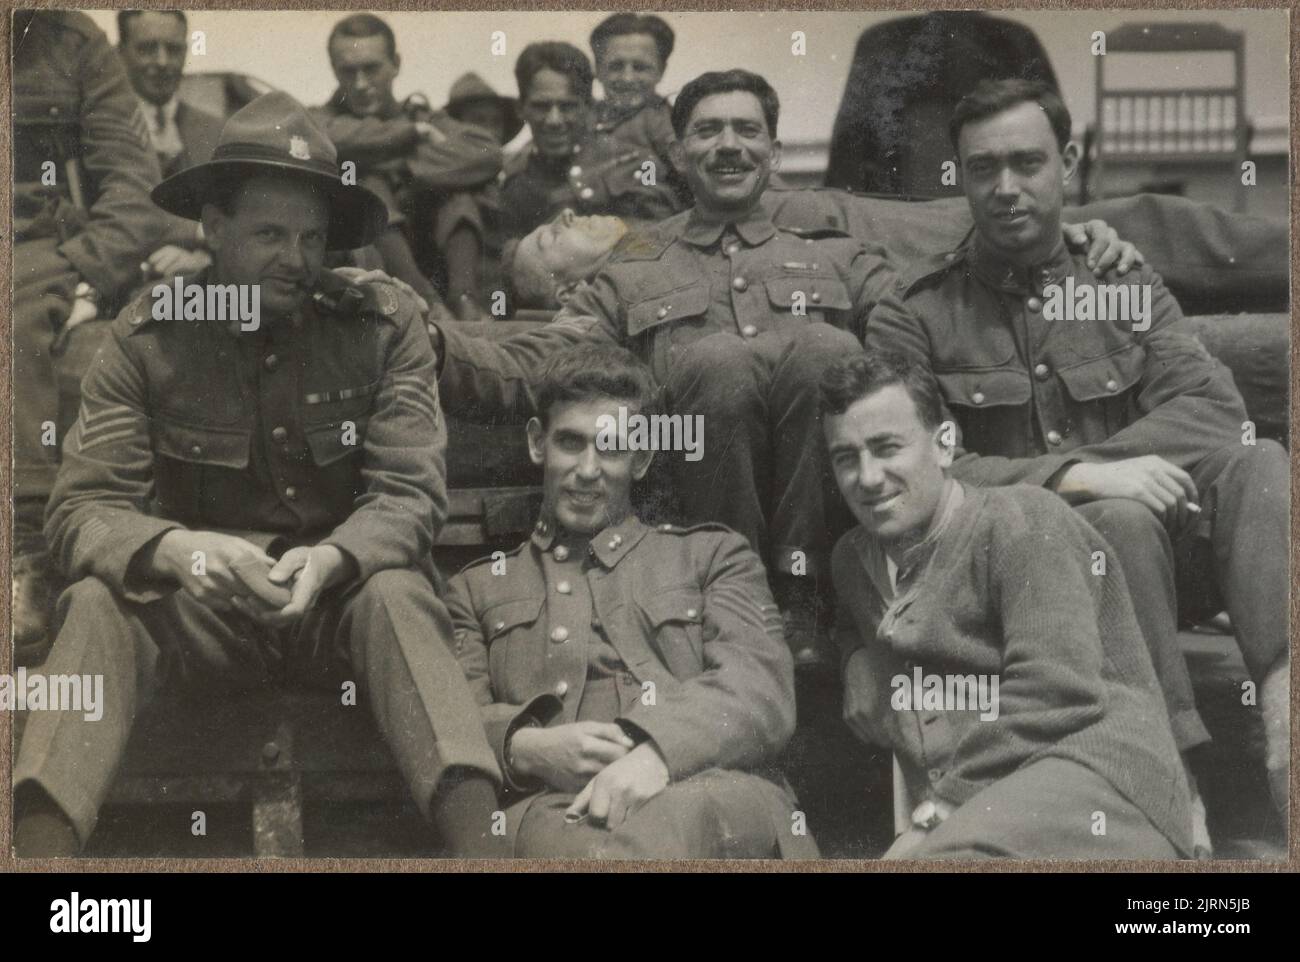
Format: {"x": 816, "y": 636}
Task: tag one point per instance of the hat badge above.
{"x": 298, "y": 148}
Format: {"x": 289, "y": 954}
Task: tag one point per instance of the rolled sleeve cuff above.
{"x": 679, "y": 746}
{"x": 536, "y": 713}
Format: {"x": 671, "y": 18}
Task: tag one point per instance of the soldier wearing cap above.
{"x": 473, "y": 101}
{"x": 1126, "y": 417}
{"x": 215, "y": 460}
{"x": 417, "y": 159}
{"x": 633, "y": 680}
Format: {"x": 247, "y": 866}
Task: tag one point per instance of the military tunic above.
{"x": 73, "y": 108}
{"x": 603, "y": 176}
{"x": 319, "y": 429}
{"x": 670, "y": 633}
{"x": 737, "y": 322}
{"x": 1033, "y": 396}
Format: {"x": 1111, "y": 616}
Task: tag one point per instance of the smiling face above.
{"x": 628, "y": 69}
{"x": 365, "y": 72}
{"x": 1014, "y": 175}
{"x": 727, "y": 154}
{"x": 274, "y": 236}
{"x": 153, "y": 52}
{"x": 555, "y": 114}
{"x": 888, "y": 465}
{"x": 584, "y": 489}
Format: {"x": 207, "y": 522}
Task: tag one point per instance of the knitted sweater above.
{"x": 1009, "y": 584}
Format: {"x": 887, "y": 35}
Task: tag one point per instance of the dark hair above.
{"x": 994, "y": 96}
{"x": 721, "y": 82}
{"x": 563, "y": 58}
{"x": 849, "y": 380}
{"x": 124, "y": 18}
{"x": 592, "y": 371}
{"x": 363, "y": 25}
{"x": 628, "y": 24}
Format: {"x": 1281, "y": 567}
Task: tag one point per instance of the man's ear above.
{"x": 1070, "y": 160}
{"x": 775, "y": 163}
{"x": 677, "y": 156}
{"x": 212, "y": 220}
{"x": 641, "y": 463}
{"x": 536, "y": 442}
{"x": 397, "y": 61}
{"x": 941, "y": 436}
{"x": 563, "y": 292}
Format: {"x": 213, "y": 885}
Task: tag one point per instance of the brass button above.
{"x": 1041, "y": 371}
{"x": 692, "y": 613}
{"x": 279, "y": 435}
{"x": 1053, "y": 437}
{"x": 740, "y": 284}
{"x": 935, "y": 774}
{"x": 196, "y": 450}
{"x": 563, "y": 587}
{"x": 816, "y": 297}
{"x": 270, "y": 362}
{"x": 977, "y": 397}
{"x": 733, "y": 248}
{"x": 562, "y": 688}
{"x": 665, "y": 527}
{"x": 560, "y": 635}
{"x": 498, "y": 626}
{"x": 749, "y": 330}
{"x": 575, "y": 171}
{"x": 661, "y": 313}
{"x": 1112, "y": 385}
{"x": 586, "y": 193}
{"x": 561, "y": 552}
{"x": 950, "y": 256}
{"x": 291, "y": 493}
{"x": 1035, "y": 304}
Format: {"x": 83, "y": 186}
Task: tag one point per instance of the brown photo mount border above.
{"x": 423, "y": 865}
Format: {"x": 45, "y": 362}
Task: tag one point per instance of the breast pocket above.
{"x": 194, "y": 460}
{"x": 1102, "y": 391}
{"x": 809, "y": 298}
{"x": 511, "y": 633}
{"x": 674, "y": 618}
{"x": 331, "y": 442}
{"x": 986, "y": 403}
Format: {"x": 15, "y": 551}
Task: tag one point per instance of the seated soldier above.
{"x": 633, "y": 680}
{"x": 565, "y": 166}
{"x": 417, "y": 159}
{"x": 631, "y": 51}
{"x": 1121, "y": 412}
{"x": 737, "y": 317}
{"x": 243, "y": 500}
{"x": 977, "y": 642}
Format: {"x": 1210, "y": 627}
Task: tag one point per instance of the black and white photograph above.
{"x": 589, "y": 438}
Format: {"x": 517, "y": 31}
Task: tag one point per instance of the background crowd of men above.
{"x": 684, "y": 277}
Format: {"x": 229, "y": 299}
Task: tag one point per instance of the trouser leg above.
{"x": 715, "y": 814}
{"x": 1245, "y": 524}
{"x": 396, "y": 631}
{"x": 1146, "y": 559}
{"x": 800, "y": 476}
{"x": 72, "y": 758}
{"x": 722, "y": 379}
{"x": 1053, "y": 808}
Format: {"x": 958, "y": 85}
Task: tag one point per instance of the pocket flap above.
{"x": 224, "y": 448}
{"x": 501, "y": 618}
{"x": 666, "y": 308}
{"x": 684, "y": 603}
{"x": 989, "y": 387}
{"x": 1105, "y": 376}
{"x": 819, "y": 293}
{"x": 330, "y": 442}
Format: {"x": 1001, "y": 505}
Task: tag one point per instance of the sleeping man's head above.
{"x": 549, "y": 263}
